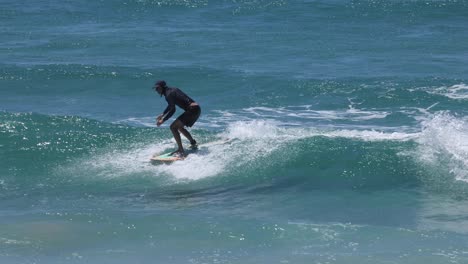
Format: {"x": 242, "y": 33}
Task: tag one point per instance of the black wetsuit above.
{"x": 174, "y": 96}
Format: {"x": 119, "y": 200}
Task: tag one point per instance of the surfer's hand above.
{"x": 159, "y": 122}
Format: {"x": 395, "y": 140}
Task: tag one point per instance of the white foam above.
{"x": 373, "y": 135}
{"x": 196, "y": 167}
{"x": 305, "y": 112}
{"x": 444, "y": 142}
{"x": 117, "y": 163}
{"x": 254, "y": 130}
{"x": 298, "y": 116}
{"x": 458, "y": 91}
{"x": 134, "y": 162}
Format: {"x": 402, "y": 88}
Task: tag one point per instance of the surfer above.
{"x": 174, "y": 96}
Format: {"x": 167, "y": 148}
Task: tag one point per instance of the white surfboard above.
{"x": 171, "y": 156}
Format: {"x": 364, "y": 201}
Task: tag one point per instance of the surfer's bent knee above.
{"x": 176, "y": 125}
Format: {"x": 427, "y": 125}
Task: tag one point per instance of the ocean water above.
{"x": 348, "y": 123}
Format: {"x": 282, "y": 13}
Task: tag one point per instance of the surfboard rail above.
{"x": 168, "y": 157}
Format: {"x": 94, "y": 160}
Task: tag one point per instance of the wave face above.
{"x": 331, "y": 132}
{"x": 257, "y": 153}
{"x": 257, "y": 148}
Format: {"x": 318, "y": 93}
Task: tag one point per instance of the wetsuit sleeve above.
{"x": 170, "y": 109}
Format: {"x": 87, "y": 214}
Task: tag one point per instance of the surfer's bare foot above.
{"x": 179, "y": 154}
{"x": 193, "y": 144}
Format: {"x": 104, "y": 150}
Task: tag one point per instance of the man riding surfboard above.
{"x": 174, "y": 96}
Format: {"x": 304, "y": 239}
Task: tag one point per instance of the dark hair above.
{"x": 161, "y": 83}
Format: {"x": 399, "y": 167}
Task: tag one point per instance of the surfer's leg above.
{"x": 188, "y": 118}
{"x": 187, "y": 135}
{"x": 175, "y": 128}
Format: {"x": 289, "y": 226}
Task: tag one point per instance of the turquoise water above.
{"x": 347, "y": 120}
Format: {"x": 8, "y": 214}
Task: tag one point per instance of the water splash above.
{"x": 444, "y": 144}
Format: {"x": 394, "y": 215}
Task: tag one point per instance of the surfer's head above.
{"x": 160, "y": 87}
